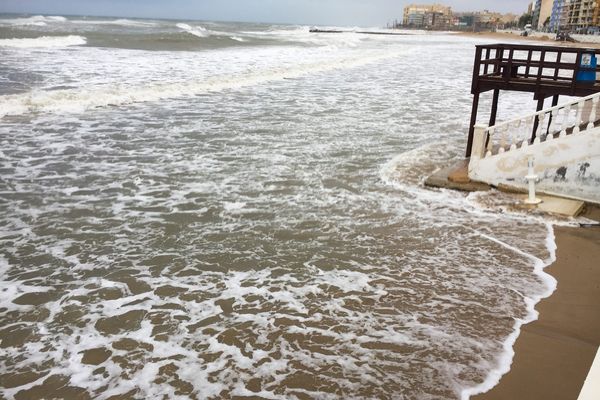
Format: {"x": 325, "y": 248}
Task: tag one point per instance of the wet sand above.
{"x": 554, "y": 353}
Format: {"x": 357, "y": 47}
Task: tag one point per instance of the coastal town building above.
{"x": 558, "y": 15}
{"x": 580, "y": 15}
{"x": 542, "y": 13}
{"x": 426, "y": 15}
{"x": 439, "y": 16}
{"x": 575, "y": 16}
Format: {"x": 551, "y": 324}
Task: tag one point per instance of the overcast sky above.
{"x": 317, "y": 12}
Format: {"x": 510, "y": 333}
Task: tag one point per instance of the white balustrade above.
{"x": 592, "y": 119}
{"x": 577, "y": 118}
{"x": 559, "y": 120}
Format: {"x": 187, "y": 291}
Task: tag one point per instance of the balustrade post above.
{"x": 580, "y": 105}
{"x": 514, "y": 135}
{"x": 538, "y": 134}
{"x": 479, "y": 140}
{"x": 565, "y": 122}
{"x": 592, "y": 120}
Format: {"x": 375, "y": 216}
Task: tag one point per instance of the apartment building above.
{"x": 542, "y": 13}
{"x": 580, "y": 15}
{"x": 417, "y": 14}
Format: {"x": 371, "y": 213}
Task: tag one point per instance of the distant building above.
{"x": 426, "y": 15}
{"x": 596, "y": 16}
{"x": 558, "y": 15}
{"x": 580, "y": 15}
{"x": 542, "y": 12}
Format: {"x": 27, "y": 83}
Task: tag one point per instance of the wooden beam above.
{"x": 536, "y": 122}
{"x": 474, "y": 109}
{"x": 494, "y": 107}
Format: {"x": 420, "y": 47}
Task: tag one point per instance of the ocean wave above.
{"x": 80, "y": 100}
{"x": 44, "y": 42}
{"x": 121, "y": 22}
{"x": 36, "y": 20}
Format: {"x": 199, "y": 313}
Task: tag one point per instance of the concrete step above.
{"x": 554, "y": 205}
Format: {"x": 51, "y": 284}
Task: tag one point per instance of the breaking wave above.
{"x": 44, "y": 42}
{"x": 37, "y": 20}
{"x": 196, "y": 31}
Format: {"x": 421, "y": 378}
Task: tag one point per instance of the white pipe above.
{"x": 531, "y": 178}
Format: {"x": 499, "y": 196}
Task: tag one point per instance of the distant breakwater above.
{"x": 314, "y": 30}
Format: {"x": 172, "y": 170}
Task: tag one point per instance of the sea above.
{"x": 211, "y": 210}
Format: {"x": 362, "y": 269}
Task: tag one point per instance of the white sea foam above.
{"x": 79, "y": 100}
{"x": 44, "y": 42}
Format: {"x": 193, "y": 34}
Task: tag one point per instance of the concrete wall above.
{"x": 567, "y": 166}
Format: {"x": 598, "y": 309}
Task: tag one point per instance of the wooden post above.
{"x": 540, "y": 107}
{"x": 494, "y": 107}
{"x": 472, "y": 123}
{"x": 554, "y": 104}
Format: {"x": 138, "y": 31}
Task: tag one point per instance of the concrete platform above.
{"x": 455, "y": 177}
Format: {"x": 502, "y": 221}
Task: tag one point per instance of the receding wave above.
{"x": 44, "y": 41}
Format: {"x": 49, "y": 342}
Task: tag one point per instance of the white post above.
{"x": 531, "y": 178}
{"x": 479, "y": 139}
{"x": 578, "y": 118}
{"x": 593, "y": 113}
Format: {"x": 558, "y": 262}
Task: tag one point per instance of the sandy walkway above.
{"x": 503, "y": 37}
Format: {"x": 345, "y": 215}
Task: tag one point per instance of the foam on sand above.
{"x": 505, "y": 359}
{"x": 44, "y": 42}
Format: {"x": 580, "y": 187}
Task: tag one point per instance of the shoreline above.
{"x": 554, "y": 353}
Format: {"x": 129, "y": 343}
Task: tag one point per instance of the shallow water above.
{"x": 231, "y": 220}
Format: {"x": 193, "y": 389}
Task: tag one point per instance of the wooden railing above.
{"x": 547, "y": 70}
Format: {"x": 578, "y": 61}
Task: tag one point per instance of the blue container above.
{"x": 587, "y": 68}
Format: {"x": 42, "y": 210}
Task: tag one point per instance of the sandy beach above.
{"x": 545, "y": 40}
{"x": 554, "y": 353}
